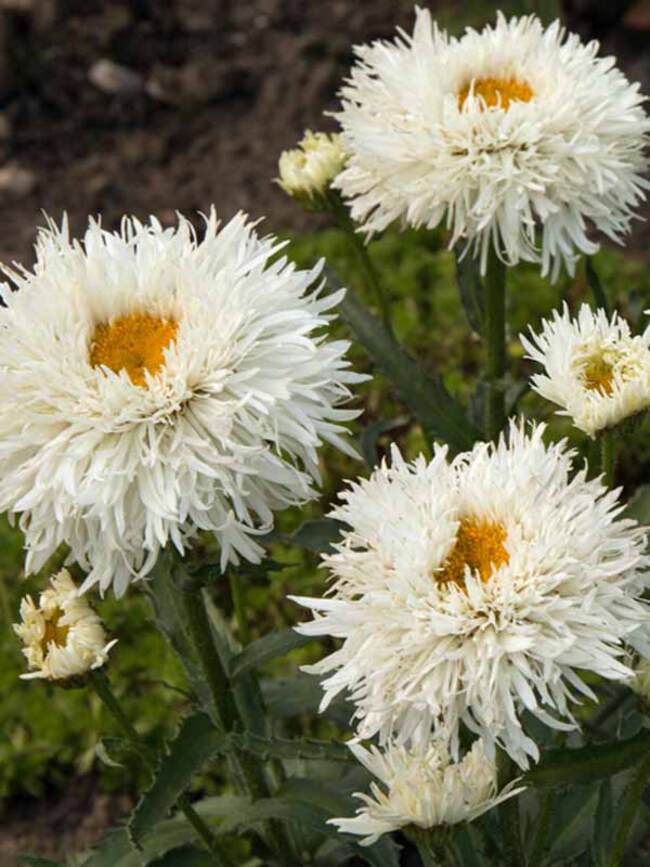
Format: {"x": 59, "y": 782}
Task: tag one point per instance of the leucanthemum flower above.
{"x": 594, "y": 368}
{"x": 516, "y": 137}
{"x": 306, "y": 172}
{"x": 423, "y": 787}
{"x": 468, "y": 591}
{"x": 154, "y": 385}
{"x": 63, "y": 637}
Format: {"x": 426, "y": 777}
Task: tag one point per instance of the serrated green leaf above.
{"x": 593, "y": 281}
{"x": 115, "y": 850}
{"x": 468, "y": 277}
{"x": 257, "y": 653}
{"x": 196, "y": 742}
{"x": 572, "y": 823}
{"x": 370, "y": 437}
{"x": 587, "y": 764}
{"x": 441, "y": 416}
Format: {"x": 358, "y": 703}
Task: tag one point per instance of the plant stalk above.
{"x": 538, "y": 846}
{"x": 432, "y": 846}
{"x": 248, "y": 772}
{"x": 495, "y": 345}
{"x": 514, "y": 855}
{"x": 370, "y": 274}
{"x": 608, "y": 457}
{"x": 101, "y": 685}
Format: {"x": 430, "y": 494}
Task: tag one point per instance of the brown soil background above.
{"x": 206, "y": 95}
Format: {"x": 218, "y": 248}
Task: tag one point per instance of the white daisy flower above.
{"x": 63, "y": 636}
{"x": 154, "y": 385}
{"x": 515, "y": 136}
{"x": 423, "y": 787}
{"x": 594, "y": 368}
{"x": 468, "y": 591}
{"x": 306, "y": 172}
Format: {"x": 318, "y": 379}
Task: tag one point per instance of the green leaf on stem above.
{"x": 184, "y": 856}
{"x": 286, "y": 697}
{"x": 259, "y": 652}
{"x": 370, "y": 435}
{"x": 593, "y": 281}
{"x": 588, "y": 764}
{"x": 440, "y": 415}
{"x": 196, "y": 741}
{"x": 470, "y": 287}
{"x": 572, "y": 823}
{"x": 603, "y": 825}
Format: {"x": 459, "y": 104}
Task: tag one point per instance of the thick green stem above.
{"x": 495, "y": 345}
{"x": 100, "y": 683}
{"x": 239, "y": 606}
{"x": 248, "y": 772}
{"x": 513, "y": 850}
{"x": 631, "y": 803}
{"x": 608, "y": 457}
{"x": 432, "y": 846}
{"x": 370, "y": 274}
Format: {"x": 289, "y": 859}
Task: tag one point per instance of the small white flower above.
{"x": 516, "y": 137}
{"x": 594, "y": 368}
{"x": 466, "y": 592}
{"x": 63, "y": 636}
{"x": 423, "y": 787}
{"x": 306, "y": 172}
{"x": 154, "y": 385}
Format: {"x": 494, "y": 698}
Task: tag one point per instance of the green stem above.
{"x": 607, "y": 457}
{"x": 239, "y": 604}
{"x": 100, "y": 683}
{"x": 432, "y": 845}
{"x": 631, "y": 803}
{"x": 370, "y": 274}
{"x": 513, "y": 851}
{"x": 248, "y": 772}
{"x": 495, "y": 345}
{"x": 538, "y": 847}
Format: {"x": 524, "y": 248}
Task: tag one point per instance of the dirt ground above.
{"x": 149, "y": 106}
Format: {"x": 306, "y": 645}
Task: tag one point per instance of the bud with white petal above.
{"x": 307, "y": 172}
{"x": 63, "y": 637}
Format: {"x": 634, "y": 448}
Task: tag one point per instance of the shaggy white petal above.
{"x": 594, "y": 368}
{"x": 63, "y": 637}
{"x": 500, "y": 174}
{"x": 423, "y": 787}
{"x": 222, "y": 435}
{"x": 558, "y": 594}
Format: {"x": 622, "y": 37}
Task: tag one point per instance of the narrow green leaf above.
{"x": 603, "y": 825}
{"x": 593, "y": 281}
{"x": 317, "y": 536}
{"x": 441, "y": 416}
{"x": 196, "y": 741}
{"x": 184, "y": 856}
{"x": 308, "y": 749}
{"x": 468, "y": 277}
{"x": 588, "y": 764}
{"x": 257, "y": 653}
{"x": 287, "y": 697}
{"x": 113, "y": 752}
{"x": 370, "y": 437}
{"x": 572, "y": 825}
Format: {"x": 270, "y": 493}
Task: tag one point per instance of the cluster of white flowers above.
{"x": 308, "y": 171}
{"x": 595, "y": 369}
{"x": 155, "y": 385}
{"x": 63, "y": 637}
{"x": 515, "y": 137}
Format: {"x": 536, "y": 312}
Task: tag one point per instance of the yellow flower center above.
{"x": 480, "y": 545}
{"x": 134, "y": 343}
{"x": 497, "y": 91}
{"x": 53, "y": 632}
{"x": 598, "y": 375}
